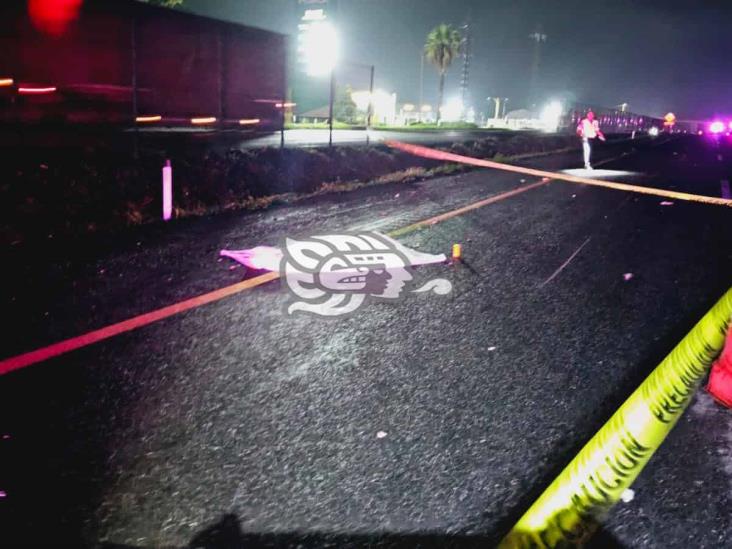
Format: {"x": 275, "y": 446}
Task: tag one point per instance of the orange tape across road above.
{"x": 44, "y": 353}
{"x": 20, "y": 361}
{"x": 39, "y": 355}
{"x": 427, "y": 152}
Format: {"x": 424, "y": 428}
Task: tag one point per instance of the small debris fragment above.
{"x": 381, "y": 434}
{"x": 396, "y": 195}
{"x": 44, "y": 166}
{"x": 492, "y": 348}
{"x": 523, "y": 181}
{"x": 574, "y": 196}
{"x": 627, "y": 495}
{"x": 627, "y": 276}
{"x": 667, "y": 203}
{"x": 3, "y": 494}
{"x": 233, "y": 267}
{"x": 544, "y": 179}
{"x": 457, "y": 252}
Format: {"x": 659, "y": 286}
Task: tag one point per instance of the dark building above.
{"x": 125, "y": 62}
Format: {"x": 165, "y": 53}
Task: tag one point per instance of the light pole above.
{"x": 330, "y": 106}
{"x": 282, "y": 125}
{"x": 370, "y": 107}
{"x": 133, "y": 52}
{"x": 320, "y": 46}
{"x": 370, "y": 112}
{"x": 421, "y": 83}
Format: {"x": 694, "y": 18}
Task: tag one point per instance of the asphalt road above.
{"x": 318, "y": 138}
{"x": 225, "y": 140}
{"x": 431, "y": 422}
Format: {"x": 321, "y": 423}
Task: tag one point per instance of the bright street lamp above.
{"x": 319, "y": 47}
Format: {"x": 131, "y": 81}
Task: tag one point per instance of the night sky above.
{"x": 656, "y": 55}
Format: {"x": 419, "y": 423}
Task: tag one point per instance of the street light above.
{"x": 319, "y": 45}
{"x": 319, "y": 48}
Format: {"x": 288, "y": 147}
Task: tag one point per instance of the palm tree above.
{"x": 442, "y": 47}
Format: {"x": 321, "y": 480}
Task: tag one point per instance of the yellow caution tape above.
{"x": 427, "y": 152}
{"x": 570, "y": 509}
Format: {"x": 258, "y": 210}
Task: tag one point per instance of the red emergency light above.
{"x": 53, "y": 16}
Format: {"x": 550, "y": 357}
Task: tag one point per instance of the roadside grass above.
{"x": 57, "y": 193}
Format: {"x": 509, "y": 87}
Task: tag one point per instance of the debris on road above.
{"x": 667, "y": 203}
{"x": 627, "y": 276}
{"x": 627, "y": 495}
{"x": 457, "y": 252}
{"x": 381, "y": 434}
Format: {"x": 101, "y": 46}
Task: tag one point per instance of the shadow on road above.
{"x": 227, "y": 534}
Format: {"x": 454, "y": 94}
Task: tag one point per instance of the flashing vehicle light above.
{"x": 716, "y": 127}
{"x": 36, "y": 91}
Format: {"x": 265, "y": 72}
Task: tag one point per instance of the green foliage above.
{"x": 344, "y": 109}
{"x": 424, "y": 126}
{"x": 68, "y": 192}
{"x": 164, "y": 3}
{"x": 441, "y": 49}
{"x": 443, "y": 46}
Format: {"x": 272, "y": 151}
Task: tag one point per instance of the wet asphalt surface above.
{"x": 431, "y": 422}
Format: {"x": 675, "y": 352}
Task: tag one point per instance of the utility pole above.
{"x": 538, "y": 38}
{"x": 421, "y": 83}
{"x": 135, "y": 107}
{"x": 370, "y": 112}
{"x": 221, "y": 42}
{"x": 330, "y": 106}
{"x": 466, "y": 67}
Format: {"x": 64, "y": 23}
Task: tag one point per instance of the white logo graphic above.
{"x": 333, "y": 275}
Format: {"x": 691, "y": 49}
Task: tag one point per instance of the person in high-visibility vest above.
{"x": 589, "y": 129}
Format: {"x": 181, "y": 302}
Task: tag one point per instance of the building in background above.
{"x": 384, "y": 105}
{"x": 123, "y": 62}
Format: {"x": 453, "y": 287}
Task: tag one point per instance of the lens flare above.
{"x": 717, "y": 126}
{"x": 53, "y": 16}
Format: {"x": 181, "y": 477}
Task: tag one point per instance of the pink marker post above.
{"x": 167, "y": 191}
